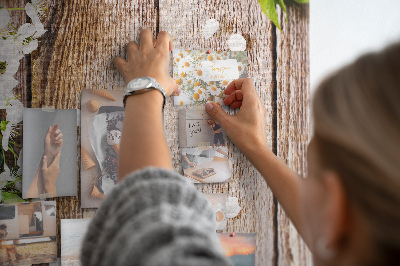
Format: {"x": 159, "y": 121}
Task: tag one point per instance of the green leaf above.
{"x": 9, "y": 197}
{"x": 269, "y": 8}
{"x": 3, "y": 66}
{"x": 2, "y": 160}
{"x": 3, "y": 125}
{"x": 302, "y": 1}
{"x": 283, "y": 7}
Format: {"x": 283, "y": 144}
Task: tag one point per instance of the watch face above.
{"x": 140, "y": 83}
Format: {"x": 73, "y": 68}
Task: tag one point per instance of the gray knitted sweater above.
{"x": 153, "y": 217}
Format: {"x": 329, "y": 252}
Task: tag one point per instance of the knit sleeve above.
{"x": 153, "y": 217}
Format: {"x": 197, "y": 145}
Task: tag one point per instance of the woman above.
{"x": 347, "y": 209}
{"x": 217, "y": 129}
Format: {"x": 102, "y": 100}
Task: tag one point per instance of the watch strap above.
{"x": 154, "y": 85}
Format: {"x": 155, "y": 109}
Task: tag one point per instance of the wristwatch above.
{"x": 142, "y": 85}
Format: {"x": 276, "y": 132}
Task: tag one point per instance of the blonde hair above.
{"x": 357, "y": 133}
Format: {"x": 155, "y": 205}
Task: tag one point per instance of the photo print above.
{"x": 239, "y": 248}
{"x": 28, "y": 233}
{"x": 72, "y": 234}
{"x": 102, "y": 114}
{"x": 204, "y": 76}
{"x": 218, "y": 201}
{"x": 50, "y": 153}
{"x": 202, "y": 141}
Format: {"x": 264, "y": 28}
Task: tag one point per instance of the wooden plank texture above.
{"x": 184, "y": 20}
{"x": 76, "y": 52}
{"x": 293, "y": 89}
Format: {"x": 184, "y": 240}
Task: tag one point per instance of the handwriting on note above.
{"x": 219, "y": 70}
{"x": 194, "y": 128}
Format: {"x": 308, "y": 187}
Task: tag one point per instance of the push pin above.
{"x": 232, "y": 234}
{"x": 208, "y": 51}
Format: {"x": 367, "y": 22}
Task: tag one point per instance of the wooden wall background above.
{"x": 76, "y": 53}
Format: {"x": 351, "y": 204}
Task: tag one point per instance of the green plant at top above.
{"x": 269, "y": 8}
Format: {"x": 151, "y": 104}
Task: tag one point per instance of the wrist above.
{"x": 49, "y": 188}
{"x": 150, "y": 99}
{"x": 143, "y": 85}
{"x": 257, "y": 148}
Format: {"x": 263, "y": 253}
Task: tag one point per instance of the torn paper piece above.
{"x": 236, "y": 42}
{"x": 210, "y": 28}
{"x": 232, "y": 207}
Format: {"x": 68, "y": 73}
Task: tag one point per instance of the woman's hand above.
{"x": 149, "y": 59}
{"x": 53, "y": 142}
{"x": 247, "y": 128}
{"x": 49, "y": 175}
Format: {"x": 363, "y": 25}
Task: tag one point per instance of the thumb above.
{"x": 177, "y": 91}
{"x": 217, "y": 113}
{"x": 49, "y": 131}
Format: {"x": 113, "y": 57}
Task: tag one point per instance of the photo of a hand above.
{"x": 52, "y": 143}
{"x": 47, "y": 172}
{"x": 49, "y": 175}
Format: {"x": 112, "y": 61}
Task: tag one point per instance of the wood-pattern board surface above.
{"x": 83, "y": 37}
{"x": 292, "y": 75}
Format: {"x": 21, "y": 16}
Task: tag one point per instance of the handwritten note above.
{"x": 194, "y": 128}
{"x": 219, "y": 70}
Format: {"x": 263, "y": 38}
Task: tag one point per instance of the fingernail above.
{"x": 209, "y": 106}
{"x": 179, "y": 90}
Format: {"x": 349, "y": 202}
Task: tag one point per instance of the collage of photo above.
{"x": 50, "y": 160}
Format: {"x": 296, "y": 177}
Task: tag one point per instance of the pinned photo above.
{"x": 50, "y": 153}
{"x": 72, "y": 234}
{"x": 203, "y": 147}
{"x": 198, "y": 129}
{"x": 239, "y": 247}
{"x": 28, "y": 233}
{"x": 102, "y": 115}
{"x": 206, "y": 165}
{"x": 203, "y": 76}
